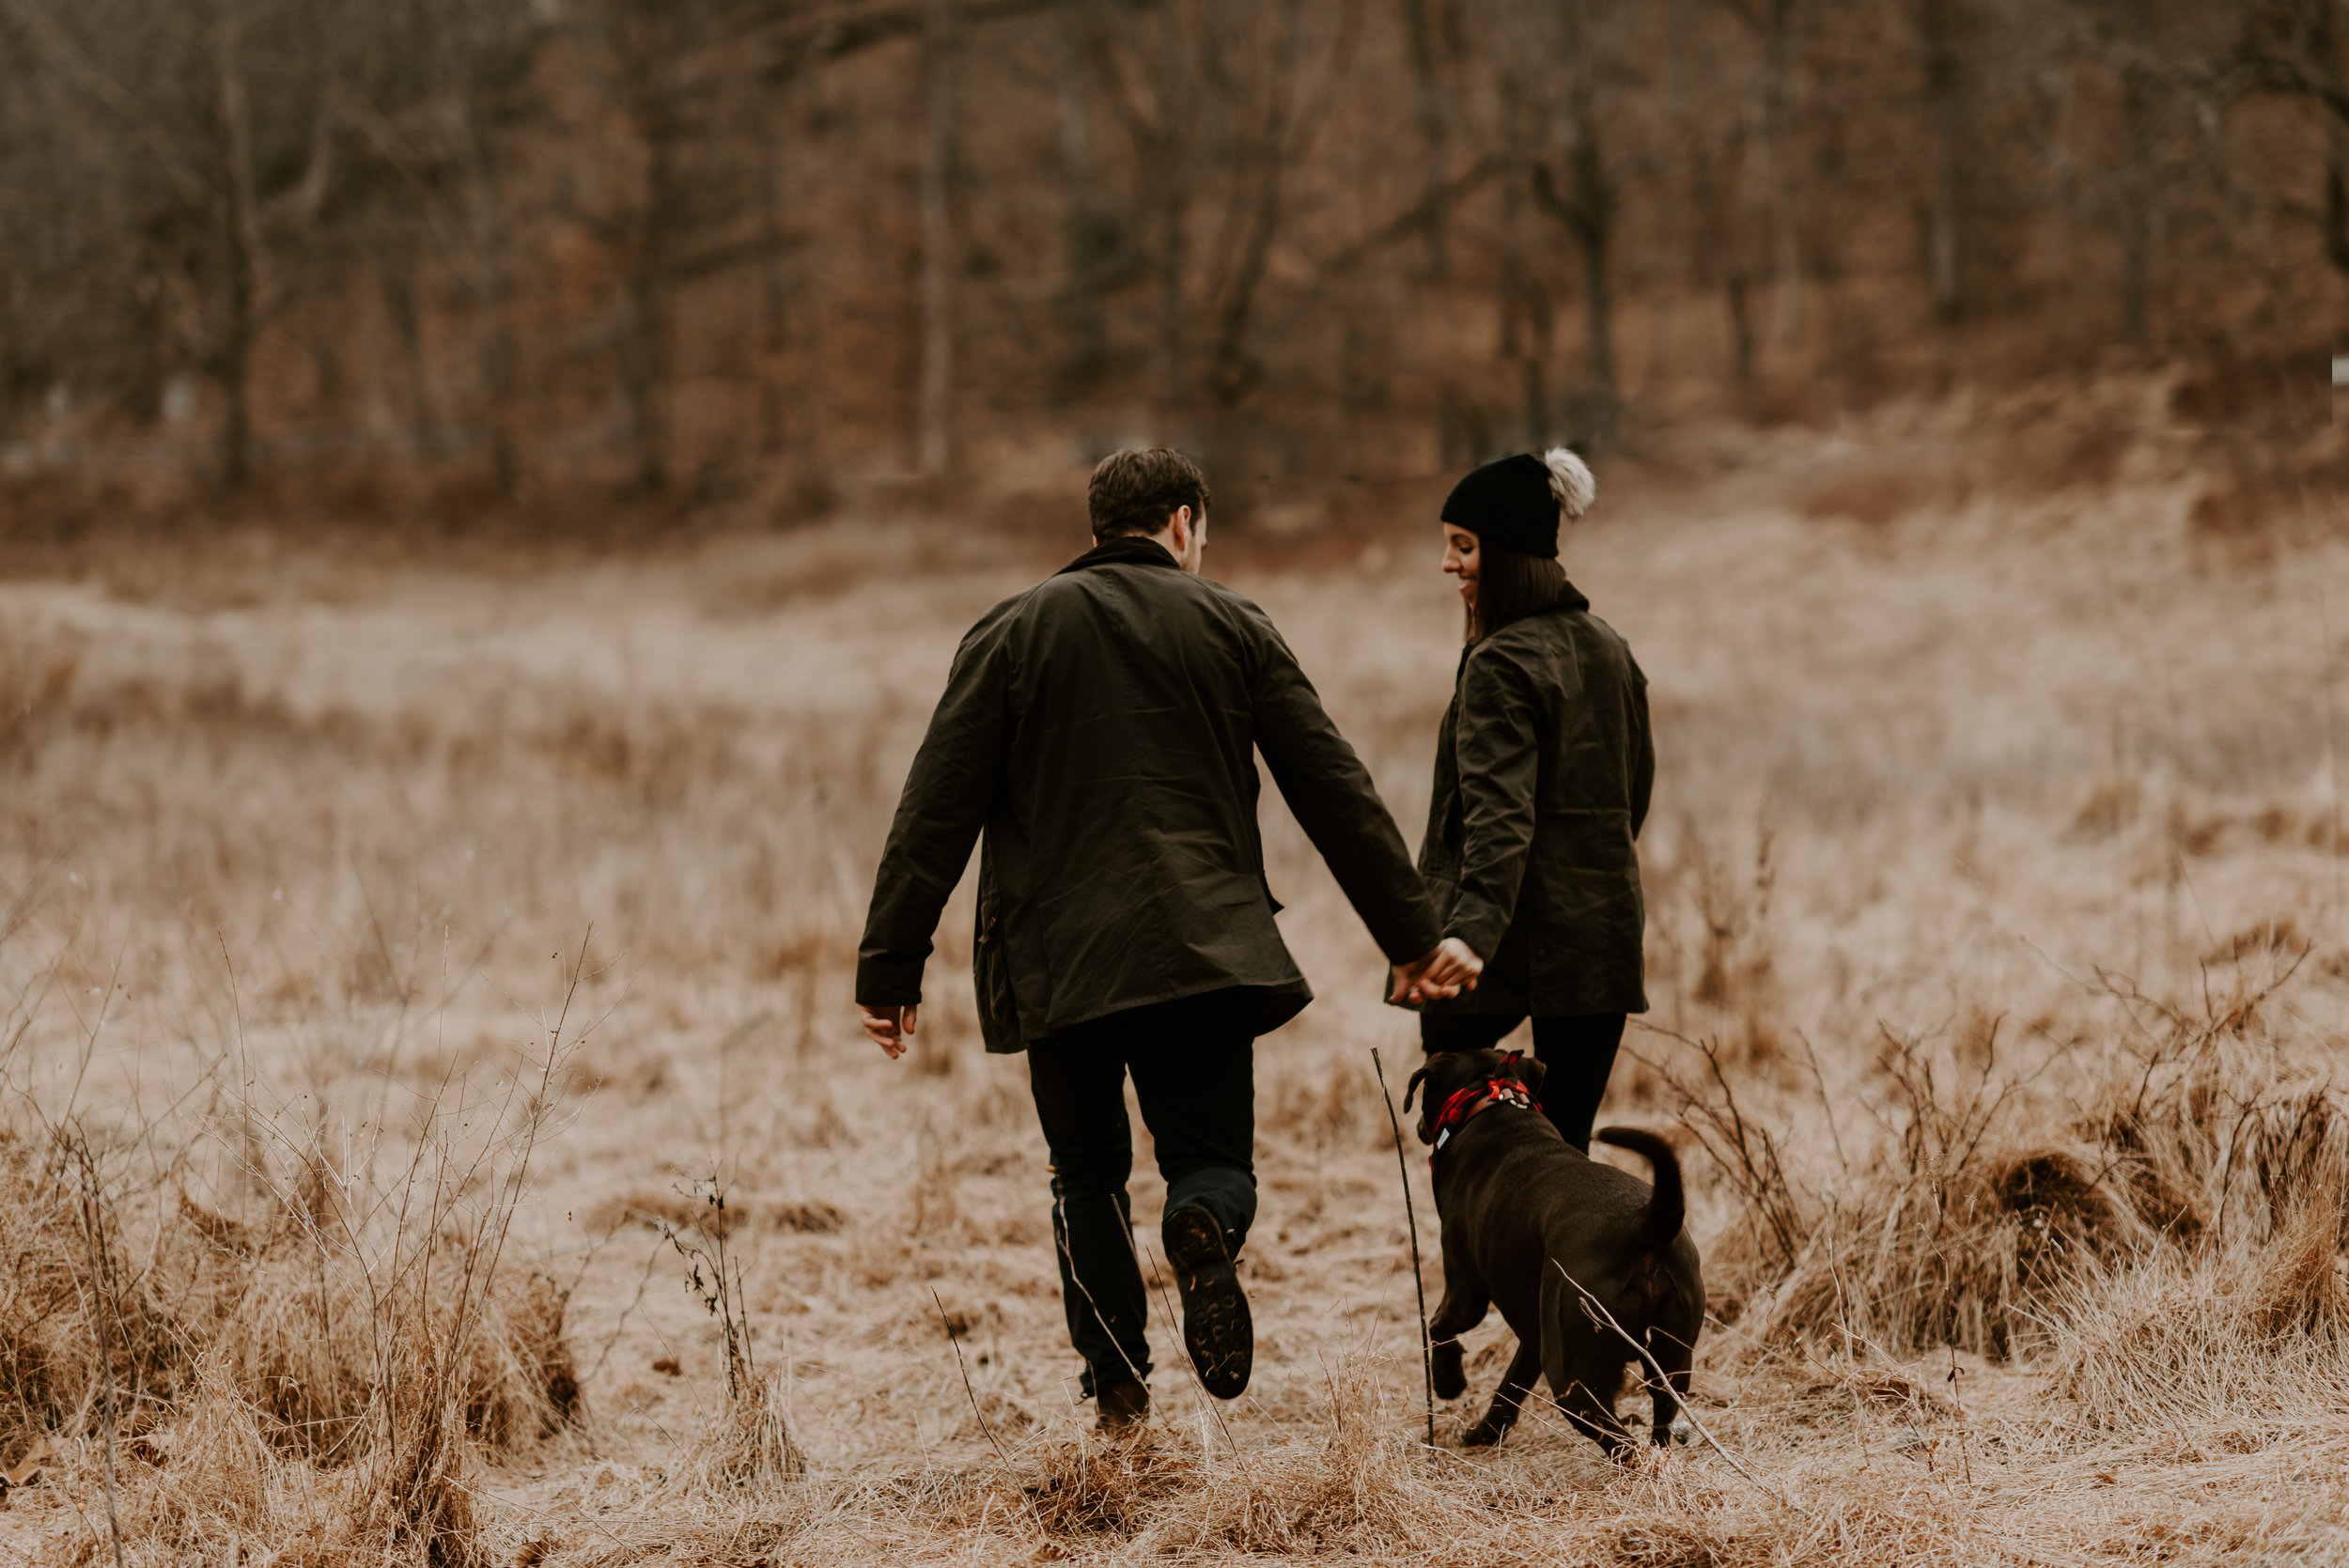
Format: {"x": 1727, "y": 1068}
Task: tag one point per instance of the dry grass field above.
{"x": 435, "y": 1128}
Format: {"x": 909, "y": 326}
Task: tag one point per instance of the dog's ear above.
{"x": 1531, "y": 1072}
{"x": 1412, "y": 1088}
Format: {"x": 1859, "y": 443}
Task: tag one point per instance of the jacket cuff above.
{"x": 1416, "y": 940}
{"x": 888, "y": 982}
{"x": 1480, "y": 923}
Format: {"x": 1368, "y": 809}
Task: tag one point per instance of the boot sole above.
{"x": 1217, "y": 1330}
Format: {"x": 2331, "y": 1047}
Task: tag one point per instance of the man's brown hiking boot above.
{"x": 1216, "y": 1328}
{"x": 1123, "y": 1406}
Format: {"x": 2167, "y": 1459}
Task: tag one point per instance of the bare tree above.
{"x": 934, "y": 404}
{"x": 1578, "y": 193}
{"x": 1219, "y": 101}
{"x": 1937, "y": 32}
{"x": 1090, "y": 235}
{"x": 1773, "y": 24}
{"x": 2293, "y": 48}
{"x": 218, "y": 125}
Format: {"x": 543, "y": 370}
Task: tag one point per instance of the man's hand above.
{"x": 890, "y": 1027}
{"x": 1446, "y": 971}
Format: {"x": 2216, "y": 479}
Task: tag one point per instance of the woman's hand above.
{"x": 889, "y": 1027}
{"x": 1448, "y": 969}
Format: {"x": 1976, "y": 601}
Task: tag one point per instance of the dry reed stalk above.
{"x": 750, "y": 1444}
{"x": 1411, "y": 1220}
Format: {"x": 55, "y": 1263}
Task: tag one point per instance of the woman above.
{"x": 1543, "y": 768}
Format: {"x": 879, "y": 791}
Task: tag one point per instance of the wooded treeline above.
{"x": 689, "y": 246}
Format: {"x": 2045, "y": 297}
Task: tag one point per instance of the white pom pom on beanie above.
{"x": 1570, "y": 481}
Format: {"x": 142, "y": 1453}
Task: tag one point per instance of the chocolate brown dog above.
{"x": 1526, "y": 1218}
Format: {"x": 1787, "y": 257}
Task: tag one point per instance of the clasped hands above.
{"x": 1446, "y": 970}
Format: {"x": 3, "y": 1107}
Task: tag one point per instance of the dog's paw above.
{"x": 1683, "y": 1432}
{"x": 1451, "y": 1375}
{"x": 1484, "y": 1435}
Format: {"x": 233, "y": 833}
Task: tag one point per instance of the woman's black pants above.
{"x": 1577, "y": 1054}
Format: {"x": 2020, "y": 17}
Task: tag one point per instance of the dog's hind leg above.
{"x": 1585, "y": 1371}
{"x": 1675, "y": 1355}
{"x": 1509, "y": 1398}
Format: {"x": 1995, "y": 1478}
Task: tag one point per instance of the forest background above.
{"x": 747, "y": 256}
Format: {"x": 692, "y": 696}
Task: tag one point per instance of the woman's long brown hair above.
{"x": 1511, "y": 585}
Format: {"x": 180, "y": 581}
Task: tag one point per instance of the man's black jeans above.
{"x": 1577, "y": 1053}
{"x": 1193, "y": 1068}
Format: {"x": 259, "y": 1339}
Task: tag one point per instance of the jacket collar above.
{"x": 1129, "y": 549}
{"x": 1571, "y": 602}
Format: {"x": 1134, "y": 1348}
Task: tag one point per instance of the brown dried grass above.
{"x": 1985, "y": 1225}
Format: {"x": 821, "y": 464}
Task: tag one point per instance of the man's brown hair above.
{"x": 1136, "y": 490}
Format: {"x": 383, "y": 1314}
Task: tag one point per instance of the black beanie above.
{"x": 1508, "y": 502}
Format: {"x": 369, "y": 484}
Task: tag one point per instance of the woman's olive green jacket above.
{"x": 1542, "y": 770}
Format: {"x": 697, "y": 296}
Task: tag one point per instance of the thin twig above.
{"x": 985, "y": 1431}
{"x": 1598, "y": 1311}
{"x": 92, "y": 1219}
{"x": 1958, "y": 1394}
{"x": 1419, "y": 1277}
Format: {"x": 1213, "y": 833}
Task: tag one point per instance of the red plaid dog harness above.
{"x": 1466, "y": 1103}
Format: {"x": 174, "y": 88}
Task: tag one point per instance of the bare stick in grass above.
{"x": 93, "y": 1221}
{"x": 955, "y": 1344}
{"x": 1061, "y": 1242}
{"x": 1958, "y": 1394}
{"x": 1419, "y": 1277}
{"x": 1597, "y": 1311}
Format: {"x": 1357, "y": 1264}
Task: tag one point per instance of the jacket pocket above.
{"x": 991, "y": 975}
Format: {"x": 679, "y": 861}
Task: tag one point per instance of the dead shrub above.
{"x": 1361, "y": 1488}
{"x": 313, "y": 1378}
{"x": 1112, "y": 1487}
{"x": 2178, "y": 1342}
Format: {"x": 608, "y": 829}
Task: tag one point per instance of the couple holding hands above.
{"x": 1099, "y": 737}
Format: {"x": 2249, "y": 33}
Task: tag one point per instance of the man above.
{"x": 1100, "y": 729}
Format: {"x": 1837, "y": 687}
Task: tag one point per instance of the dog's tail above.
{"x": 1669, "y": 1208}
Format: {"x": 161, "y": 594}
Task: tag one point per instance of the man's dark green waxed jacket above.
{"x": 1101, "y": 728}
{"x": 1543, "y": 771}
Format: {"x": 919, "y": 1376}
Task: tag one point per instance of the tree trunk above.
{"x": 1084, "y": 230}
{"x": 2136, "y": 213}
{"x": 934, "y": 410}
{"x": 645, "y": 352}
{"x": 1435, "y": 133}
{"x": 1777, "y": 134}
{"x": 234, "y": 362}
{"x": 1943, "y": 253}
{"x": 1524, "y": 319}
{"x": 646, "y": 348}
{"x": 240, "y": 244}
{"x": 1173, "y": 330}
{"x": 2324, "y": 43}
{"x": 1595, "y": 232}
{"x": 2337, "y": 197}
{"x": 497, "y": 334}
{"x": 774, "y": 285}
{"x": 398, "y": 273}
{"x": 1735, "y": 290}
